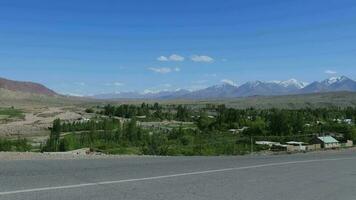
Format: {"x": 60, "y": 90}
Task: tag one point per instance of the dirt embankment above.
{"x": 37, "y": 121}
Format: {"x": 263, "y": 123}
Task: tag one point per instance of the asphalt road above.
{"x": 326, "y": 176}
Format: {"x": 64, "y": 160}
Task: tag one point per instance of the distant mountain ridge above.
{"x": 253, "y": 88}
{"x": 226, "y": 90}
{"x": 26, "y": 87}
{"x": 137, "y": 95}
{"x": 333, "y": 84}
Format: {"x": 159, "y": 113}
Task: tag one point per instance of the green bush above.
{"x": 20, "y": 145}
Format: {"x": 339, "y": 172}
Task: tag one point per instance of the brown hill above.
{"x": 28, "y": 87}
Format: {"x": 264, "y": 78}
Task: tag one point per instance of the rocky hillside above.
{"x": 27, "y": 87}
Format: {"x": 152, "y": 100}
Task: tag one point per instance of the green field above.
{"x": 11, "y": 113}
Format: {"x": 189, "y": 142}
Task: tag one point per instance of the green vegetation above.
{"x": 54, "y": 138}
{"x": 128, "y": 138}
{"x": 89, "y": 110}
{"x": 14, "y": 145}
{"x": 10, "y": 113}
{"x": 214, "y": 129}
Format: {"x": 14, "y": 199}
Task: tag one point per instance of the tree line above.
{"x": 153, "y": 112}
{"x": 211, "y": 134}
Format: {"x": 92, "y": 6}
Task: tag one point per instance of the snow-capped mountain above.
{"x": 293, "y": 83}
{"x": 269, "y": 88}
{"x": 341, "y": 83}
{"x": 333, "y": 80}
{"x": 217, "y": 91}
{"x": 259, "y": 88}
{"x": 253, "y": 88}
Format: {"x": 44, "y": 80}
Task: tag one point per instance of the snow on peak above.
{"x": 290, "y": 83}
{"x": 333, "y": 80}
{"x": 254, "y": 83}
{"x": 293, "y": 82}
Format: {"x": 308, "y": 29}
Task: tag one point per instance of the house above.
{"x": 268, "y": 143}
{"x": 233, "y": 131}
{"x": 279, "y": 147}
{"x": 296, "y": 146}
{"x": 240, "y": 130}
{"x": 273, "y": 146}
{"x": 301, "y": 146}
{"x": 313, "y": 147}
{"x": 327, "y": 142}
{"x": 83, "y": 120}
{"x": 349, "y": 143}
{"x": 141, "y": 117}
{"x": 348, "y": 121}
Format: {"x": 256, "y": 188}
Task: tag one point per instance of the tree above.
{"x": 255, "y": 128}
{"x": 182, "y": 113}
{"x": 204, "y": 122}
{"x": 297, "y": 123}
{"x": 278, "y": 124}
{"x": 53, "y": 142}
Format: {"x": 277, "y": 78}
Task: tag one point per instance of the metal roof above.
{"x": 267, "y": 143}
{"x": 294, "y": 142}
{"x": 328, "y": 139}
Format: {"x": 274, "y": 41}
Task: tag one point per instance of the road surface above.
{"x": 325, "y": 176}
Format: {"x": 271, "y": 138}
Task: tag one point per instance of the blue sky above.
{"x": 90, "y": 47}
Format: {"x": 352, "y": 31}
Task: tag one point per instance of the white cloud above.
{"x": 81, "y": 83}
{"x": 161, "y": 70}
{"x": 173, "y": 57}
{"x": 162, "y": 58}
{"x": 164, "y": 70}
{"x": 330, "y": 72}
{"x": 227, "y": 81}
{"x": 167, "y": 85}
{"x": 202, "y": 58}
{"x": 148, "y": 91}
{"x": 117, "y": 84}
{"x": 211, "y": 75}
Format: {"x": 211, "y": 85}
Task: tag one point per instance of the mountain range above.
{"x": 253, "y": 88}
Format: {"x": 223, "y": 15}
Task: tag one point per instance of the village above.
{"x": 317, "y": 143}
